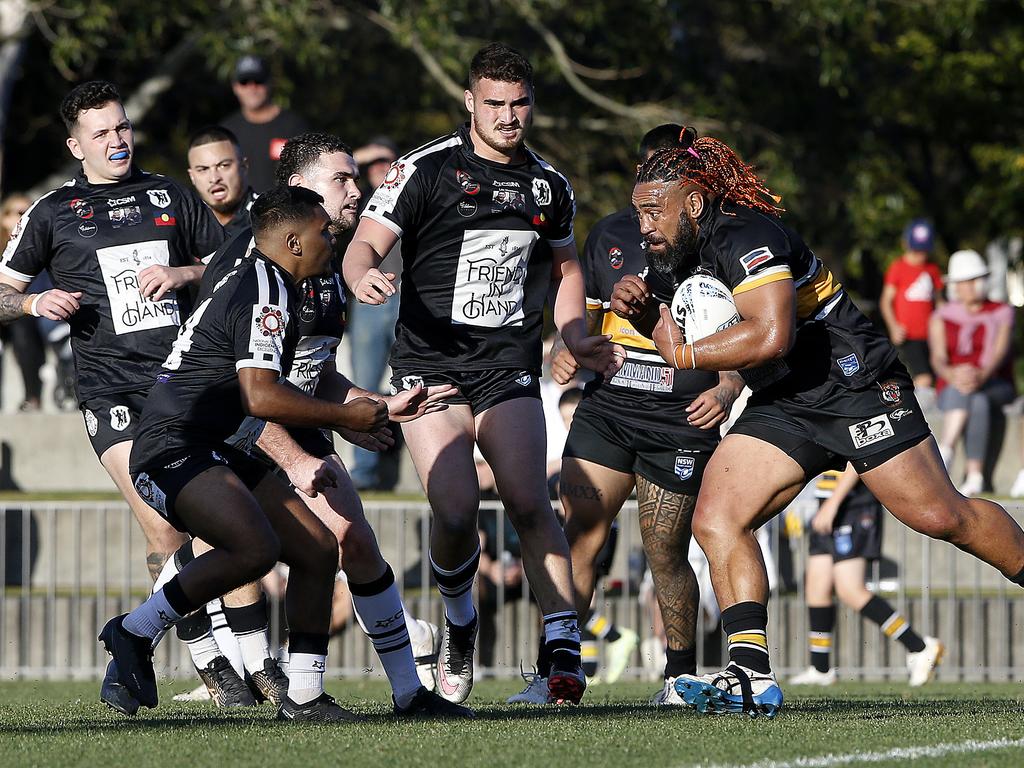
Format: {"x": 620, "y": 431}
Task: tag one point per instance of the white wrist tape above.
{"x": 35, "y": 303}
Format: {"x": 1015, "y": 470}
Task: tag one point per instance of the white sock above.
{"x": 456, "y": 588}
{"x": 203, "y": 650}
{"x": 306, "y": 676}
{"x": 226, "y": 640}
{"x": 382, "y": 618}
{"x": 255, "y": 648}
{"x": 152, "y": 618}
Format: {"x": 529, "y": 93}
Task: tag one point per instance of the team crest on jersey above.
{"x": 542, "y": 192}
{"x": 92, "y": 424}
{"x": 468, "y": 183}
{"x": 161, "y": 198}
{"x": 615, "y": 257}
{"x": 849, "y": 365}
{"x": 756, "y": 258}
{"x": 81, "y": 208}
{"x": 411, "y": 382}
{"x": 684, "y": 467}
{"x": 890, "y": 392}
{"x": 120, "y": 418}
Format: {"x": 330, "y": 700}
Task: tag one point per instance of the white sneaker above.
{"x": 535, "y": 692}
{"x": 1017, "y": 491}
{"x": 425, "y": 653}
{"x": 455, "y": 661}
{"x": 972, "y": 485}
{"x": 734, "y": 690}
{"x": 667, "y": 696}
{"x": 923, "y": 663}
{"x": 617, "y": 654}
{"x": 199, "y": 693}
{"x": 812, "y": 676}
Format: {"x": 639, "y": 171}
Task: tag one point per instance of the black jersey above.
{"x": 835, "y": 342}
{"x": 476, "y": 253}
{"x": 96, "y": 238}
{"x": 646, "y": 392}
{"x": 247, "y": 321}
{"x": 240, "y": 220}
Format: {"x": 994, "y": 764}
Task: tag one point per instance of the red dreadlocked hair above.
{"x": 710, "y": 164}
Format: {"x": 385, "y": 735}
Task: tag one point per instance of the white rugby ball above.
{"x": 703, "y": 305}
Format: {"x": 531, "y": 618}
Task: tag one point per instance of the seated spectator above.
{"x": 970, "y": 345}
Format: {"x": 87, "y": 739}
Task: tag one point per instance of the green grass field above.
{"x": 58, "y": 724}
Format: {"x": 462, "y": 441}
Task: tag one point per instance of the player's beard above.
{"x": 679, "y": 254}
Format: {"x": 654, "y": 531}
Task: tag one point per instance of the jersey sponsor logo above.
{"x": 466, "y": 208}
{"x": 647, "y": 378}
{"x": 92, "y": 424}
{"x": 88, "y": 229}
{"x": 508, "y": 184}
{"x": 115, "y": 201}
{"x": 615, "y": 258}
{"x": 165, "y": 220}
{"x": 161, "y": 198}
{"x": 900, "y": 413}
{"x": 267, "y": 336}
{"x": 81, "y": 208}
{"x": 756, "y": 258}
{"x": 129, "y": 311}
{"x": 468, "y": 183}
{"x": 849, "y": 365}
{"x": 684, "y": 467}
{"x": 125, "y": 216}
{"x": 490, "y": 277}
{"x": 542, "y": 192}
{"x": 889, "y": 392}
{"x": 872, "y": 431}
{"x": 120, "y": 418}
{"x": 524, "y": 379}
{"x": 507, "y": 200}
{"x": 150, "y": 493}
{"x": 307, "y": 310}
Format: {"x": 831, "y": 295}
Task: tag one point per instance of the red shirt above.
{"x": 916, "y": 288}
{"x": 971, "y": 336}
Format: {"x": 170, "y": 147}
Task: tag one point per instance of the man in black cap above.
{"x": 262, "y": 127}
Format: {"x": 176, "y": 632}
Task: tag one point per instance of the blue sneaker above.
{"x": 734, "y": 690}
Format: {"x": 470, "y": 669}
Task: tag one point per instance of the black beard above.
{"x": 680, "y": 253}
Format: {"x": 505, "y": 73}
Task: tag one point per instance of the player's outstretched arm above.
{"x": 402, "y": 407}
{"x": 53, "y": 304}
{"x": 370, "y": 243}
{"x": 307, "y": 473}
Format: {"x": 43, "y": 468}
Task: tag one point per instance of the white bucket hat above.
{"x": 966, "y": 265}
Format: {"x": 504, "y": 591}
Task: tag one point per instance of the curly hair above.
{"x": 711, "y": 164}
{"x": 302, "y": 152}
{"x": 88, "y": 95}
{"x": 500, "y": 62}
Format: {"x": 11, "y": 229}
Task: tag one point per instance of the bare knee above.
{"x": 456, "y": 523}
{"x": 712, "y": 523}
{"x": 944, "y": 522}
{"x": 851, "y": 593}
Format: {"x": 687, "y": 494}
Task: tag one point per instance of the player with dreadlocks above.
{"x": 827, "y": 389}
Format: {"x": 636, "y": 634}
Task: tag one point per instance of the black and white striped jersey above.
{"x": 97, "y": 238}
{"x": 245, "y": 321}
{"x": 476, "y": 254}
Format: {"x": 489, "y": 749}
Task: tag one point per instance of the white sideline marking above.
{"x": 898, "y": 753}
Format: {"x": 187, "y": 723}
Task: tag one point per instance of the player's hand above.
{"x": 897, "y": 333}
{"x": 564, "y": 366}
{"x": 711, "y": 407}
{"x": 599, "y": 354}
{"x": 629, "y": 297}
{"x": 364, "y": 415}
{"x": 311, "y": 475}
{"x": 667, "y": 336}
{"x": 377, "y": 441}
{"x": 412, "y": 403}
{"x": 56, "y": 304}
{"x": 825, "y": 518}
{"x": 375, "y": 287}
{"x": 156, "y": 281}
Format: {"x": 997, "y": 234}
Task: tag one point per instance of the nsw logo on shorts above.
{"x": 871, "y": 431}
{"x": 849, "y": 365}
{"x": 684, "y": 467}
{"x": 524, "y": 379}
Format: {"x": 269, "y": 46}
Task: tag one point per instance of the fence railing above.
{"x": 66, "y": 567}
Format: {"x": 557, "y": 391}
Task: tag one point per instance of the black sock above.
{"x": 819, "y": 638}
{"x": 892, "y": 623}
{"x": 746, "y": 625}
{"x": 680, "y": 662}
{"x": 194, "y": 626}
{"x": 543, "y": 658}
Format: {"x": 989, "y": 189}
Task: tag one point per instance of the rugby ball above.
{"x": 703, "y": 305}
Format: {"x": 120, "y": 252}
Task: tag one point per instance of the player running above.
{"x": 828, "y": 389}
{"x": 486, "y": 228}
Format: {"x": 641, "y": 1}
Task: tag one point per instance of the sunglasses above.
{"x": 251, "y": 81}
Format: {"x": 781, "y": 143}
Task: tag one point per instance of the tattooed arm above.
{"x": 54, "y": 304}
{"x": 12, "y": 302}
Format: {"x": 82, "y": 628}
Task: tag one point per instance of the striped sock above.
{"x": 601, "y": 627}
{"x": 746, "y": 624}
{"x": 589, "y": 653}
{"x": 893, "y": 625}
{"x": 562, "y": 637}
{"x": 819, "y": 638}
{"x": 456, "y": 588}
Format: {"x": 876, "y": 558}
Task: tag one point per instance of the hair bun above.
{"x": 687, "y": 136}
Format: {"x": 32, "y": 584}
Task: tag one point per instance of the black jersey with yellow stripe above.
{"x": 645, "y": 392}
{"x": 835, "y": 341}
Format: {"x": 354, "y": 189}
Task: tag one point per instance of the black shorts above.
{"x": 479, "y": 390}
{"x": 111, "y": 419}
{"x": 864, "y": 426}
{"x": 857, "y": 532}
{"x": 667, "y": 459}
{"x": 914, "y": 354}
{"x": 159, "y": 486}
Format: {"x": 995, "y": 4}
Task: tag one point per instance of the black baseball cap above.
{"x": 252, "y": 69}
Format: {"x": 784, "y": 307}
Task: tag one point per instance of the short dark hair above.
{"x": 282, "y": 205}
{"x": 212, "y": 134}
{"x": 89, "y": 95}
{"x": 665, "y": 136}
{"x": 498, "y": 61}
{"x": 305, "y": 150}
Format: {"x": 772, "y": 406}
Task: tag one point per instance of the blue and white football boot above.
{"x": 734, "y": 690}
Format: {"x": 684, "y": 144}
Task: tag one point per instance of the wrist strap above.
{"x": 693, "y": 357}
{"x": 35, "y": 302}
{"x": 677, "y": 355}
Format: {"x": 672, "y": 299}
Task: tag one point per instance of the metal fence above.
{"x": 66, "y": 567}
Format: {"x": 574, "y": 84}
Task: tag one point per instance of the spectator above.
{"x": 262, "y": 127}
{"x": 913, "y": 287}
{"x": 371, "y": 329}
{"x": 24, "y": 335}
{"x": 970, "y": 345}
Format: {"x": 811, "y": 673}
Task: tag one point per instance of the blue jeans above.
{"x": 370, "y": 334}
